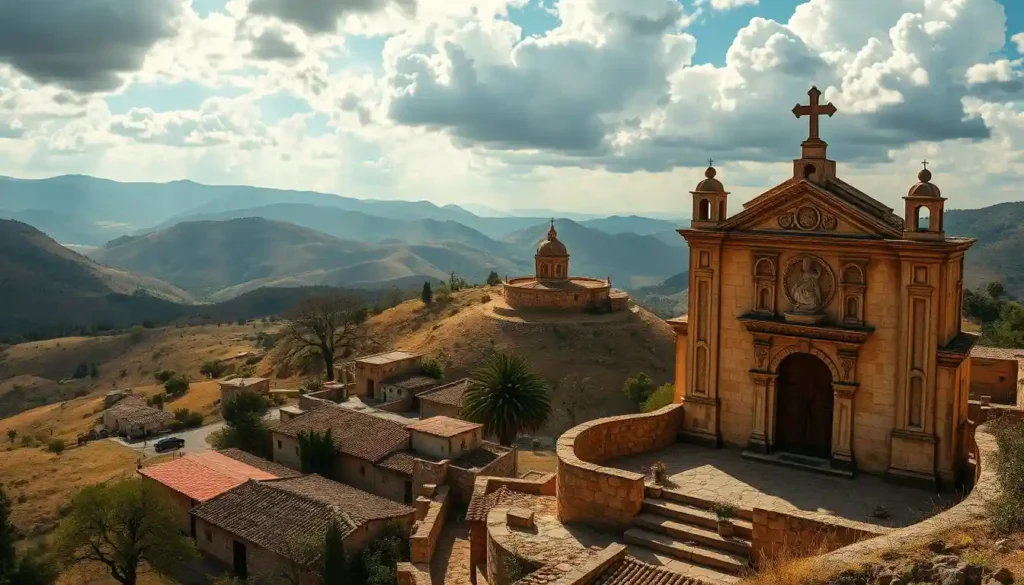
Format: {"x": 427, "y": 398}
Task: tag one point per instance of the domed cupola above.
{"x": 552, "y": 259}
{"x": 710, "y": 200}
{"x": 924, "y": 209}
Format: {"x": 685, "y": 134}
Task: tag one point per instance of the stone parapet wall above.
{"x": 463, "y": 480}
{"x": 795, "y": 533}
{"x": 590, "y": 493}
{"x": 404, "y": 404}
{"x": 971, "y": 510}
{"x": 427, "y": 530}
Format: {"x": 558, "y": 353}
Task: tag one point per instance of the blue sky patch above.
{"x": 280, "y": 105}
{"x": 166, "y": 97}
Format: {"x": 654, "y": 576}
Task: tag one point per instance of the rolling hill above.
{"x": 219, "y": 260}
{"x": 999, "y": 230}
{"x": 621, "y": 224}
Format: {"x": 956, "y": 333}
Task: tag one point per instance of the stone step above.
{"x": 684, "y": 498}
{"x": 690, "y": 533}
{"x": 687, "y": 552}
{"x": 801, "y": 462}
{"x": 694, "y": 515}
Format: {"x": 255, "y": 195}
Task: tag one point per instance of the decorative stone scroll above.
{"x": 808, "y": 218}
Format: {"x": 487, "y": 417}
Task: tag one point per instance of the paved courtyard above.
{"x": 723, "y": 475}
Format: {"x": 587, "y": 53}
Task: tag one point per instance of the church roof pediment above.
{"x": 831, "y": 208}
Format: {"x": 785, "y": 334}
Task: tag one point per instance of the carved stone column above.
{"x": 842, "y": 426}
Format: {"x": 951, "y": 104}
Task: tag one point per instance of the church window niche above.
{"x": 915, "y": 404}
{"x": 765, "y": 274}
{"x": 710, "y": 203}
{"x": 924, "y": 209}
{"x": 852, "y": 288}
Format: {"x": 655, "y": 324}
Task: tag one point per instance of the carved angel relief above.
{"x": 809, "y": 285}
{"x": 807, "y": 218}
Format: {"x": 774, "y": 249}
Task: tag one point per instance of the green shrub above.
{"x": 163, "y": 375}
{"x": 176, "y": 385}
{"x": 188, "y": 419}
{"x": 212, "y": 369}
{"x": 639, "y": 388}
{"x": 81, "y": 371}
{"x": 660, "y": 398}
{"x": 443, "y": 294}
{"x": 55, "y": 446}
{"x": 157, "y": 400}
{"x": 136, "y": 334}
{"x": 1007, "y": 511}
{"x": 432, "y": 367}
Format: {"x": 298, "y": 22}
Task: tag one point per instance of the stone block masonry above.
{"x": 592, "y": 494}
{"x": 428, "y": 528}
{"x": 794, "y": 534}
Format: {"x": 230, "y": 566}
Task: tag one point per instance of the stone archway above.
{"x": 804, "y": 405}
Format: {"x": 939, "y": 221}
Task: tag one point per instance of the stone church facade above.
{"x": 823, "y": 325}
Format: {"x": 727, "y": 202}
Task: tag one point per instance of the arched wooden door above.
{"x": 803, "y": 412}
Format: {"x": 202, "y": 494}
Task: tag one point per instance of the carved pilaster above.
{"x": 763, "y": 412}
{"x": 842, "y": 426}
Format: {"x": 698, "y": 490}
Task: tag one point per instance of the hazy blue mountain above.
{"x": 620, "y": 224}
{"x": 631, "y": 260}
{"x": 668, "y": 299}
{"x": 220, "y": 259}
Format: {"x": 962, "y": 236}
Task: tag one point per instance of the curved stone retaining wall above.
{"x": 590, "y": 493}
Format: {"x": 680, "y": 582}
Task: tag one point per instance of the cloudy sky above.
{"x": 581, "y": 105}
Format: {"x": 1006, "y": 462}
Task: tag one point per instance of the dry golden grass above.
{"x": 92, "y": 576}
{"x": 607, "y": 349}
{"x": 39, "y": 482}
{"x": 542, "y": 461}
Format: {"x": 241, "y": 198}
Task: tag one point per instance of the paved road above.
{"x": 195, "y": 439}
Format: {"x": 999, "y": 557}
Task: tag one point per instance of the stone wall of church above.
{"x": 876, "y": 371}
{"x": 518, "y": 298}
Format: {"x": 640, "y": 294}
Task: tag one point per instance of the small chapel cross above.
{"x": 814, "y": 110}
{"x": 925, "y": 163}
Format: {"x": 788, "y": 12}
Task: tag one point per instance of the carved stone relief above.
{"x": 809, "y": 284}
{"x": 808, "y": 218}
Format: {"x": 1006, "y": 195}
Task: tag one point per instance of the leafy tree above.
{"x": 1008, "y": 330}
{"x": 157, "y": 400}
{"x": 176, "y": 385}
{"x": 427, "y": 296}
{"x": 246, "y": 429}
{"x": 316, "y": 452}
{"x": 330, "y": 325}
{"x": 124, "y": 528}
{"x": 572, "y": 396}
{"x": 1006, "y": 510}
{"x": 456, "y": 282}
{"x": 33, "y": 569}
{"x": 493, "y": 278}
{"x": 443, "y": 294}
{"x": 507, "y": 397}
{"x": 335, "y": 565}
{"x": 188, "y": 419}
{"x": 660, "y": 398}
{"x": 163, "y": 375}
{"x": 8, "y": 557}
{"x": 380, "y": 558}
{"x": 55, "y": 446}
{"x": 432, "y": 367}
{"x": 12, "y": 434}
{"x": 638, "y": 389}
{"x": 995, "y": 289}
{"x": 213, "y": 369}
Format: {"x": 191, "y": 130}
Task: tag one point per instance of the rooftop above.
{"x": 410, "y": 381}
{"x": 480, "y": 457}
{"x": 242, "y": 382}
{"x": 631, "y": 571}
{"x": 443, "y": 426}
{"x": 400, "y": 461}
{"x": 260, "y": 463}
{"x": 997, "y": 353}
{"x": 570, "y": 284}
{"x": 280, "y": 515}
{"x": 355, "y": 433}
{"x": 387, "y": 358}
{"x": 450, "y": 393}
{"x": 133, "y": 410}
{"x": 205, "y": 475}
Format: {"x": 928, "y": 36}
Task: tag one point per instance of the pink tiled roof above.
{"x": 201, "y": 476}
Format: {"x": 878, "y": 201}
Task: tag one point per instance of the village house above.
{"x": 131, "y": 417}
{"x": 192, "y": 479}
{"x": 387, "y": 458}
{"x": 445, "y": 400}
{"x": 231, "y": 388}
{"x": 823, "y": 325}
{"x": 271, "y": 529}
{"x": 366, "y": 376}
{"x": 406, "y": 387}
{"x": 996, "y": 375}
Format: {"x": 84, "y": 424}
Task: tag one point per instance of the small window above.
{"x": 209, "y": 535}
{"x": 278, "y": 444}
{"x": 362, "y": 470}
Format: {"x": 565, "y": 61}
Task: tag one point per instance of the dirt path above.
{"x": 450, "y": 565}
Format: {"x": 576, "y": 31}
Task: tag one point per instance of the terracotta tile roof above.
{"x": 201, "y": 476}
{"x": 480, "y": 457}
{"x": 387, "y": 358}
{"x": 355, "y": 433}
{"x": 997, "y": 353}
{"x": 400, "y": 461}
{"x": 133, "y": 410}
{"x": 542, "y": 576}
{"x": 481, "y": 505}
{"x": 410, "y": 381}
{"x": 283, "y": 515}
{"x": 450, "y": 393}
{"x": 631, "y": 571}
{"x": 270, "y": 467}
{"x": 443, "y": 426}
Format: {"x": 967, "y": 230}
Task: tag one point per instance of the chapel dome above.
{"x": 924, "y": 187}
{"x": 552, "y": 246}
{"x": 710, "y": 184}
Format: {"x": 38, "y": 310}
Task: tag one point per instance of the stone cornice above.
{"x": 680, "y": 324}
{"x": 957, "y": 350}
{"x": 772, "y": 326}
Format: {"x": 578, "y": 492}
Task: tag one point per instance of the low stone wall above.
{"x": 463, "y": 480}
{"x": 970, "y": 511}
{"x": 428, "y": 527}
{"x": 795, "y": 533}
{"x": 604, "y": 496}
{"x": 404, "y": 404}
{"x": 313, "y": 400}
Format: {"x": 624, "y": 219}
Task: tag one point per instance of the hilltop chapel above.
{"x": 824, "y": 330}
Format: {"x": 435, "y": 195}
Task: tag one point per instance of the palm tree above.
{"x": 507, "y": 397}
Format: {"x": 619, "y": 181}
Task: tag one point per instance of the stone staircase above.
{"x": 682, "y": 527}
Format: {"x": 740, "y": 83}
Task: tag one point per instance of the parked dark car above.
{"x": 169, "y": 444}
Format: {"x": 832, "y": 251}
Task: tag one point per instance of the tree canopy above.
{"x": 330, "y": 325}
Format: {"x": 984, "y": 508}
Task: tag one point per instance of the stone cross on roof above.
{"x": 814, "y": 110}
